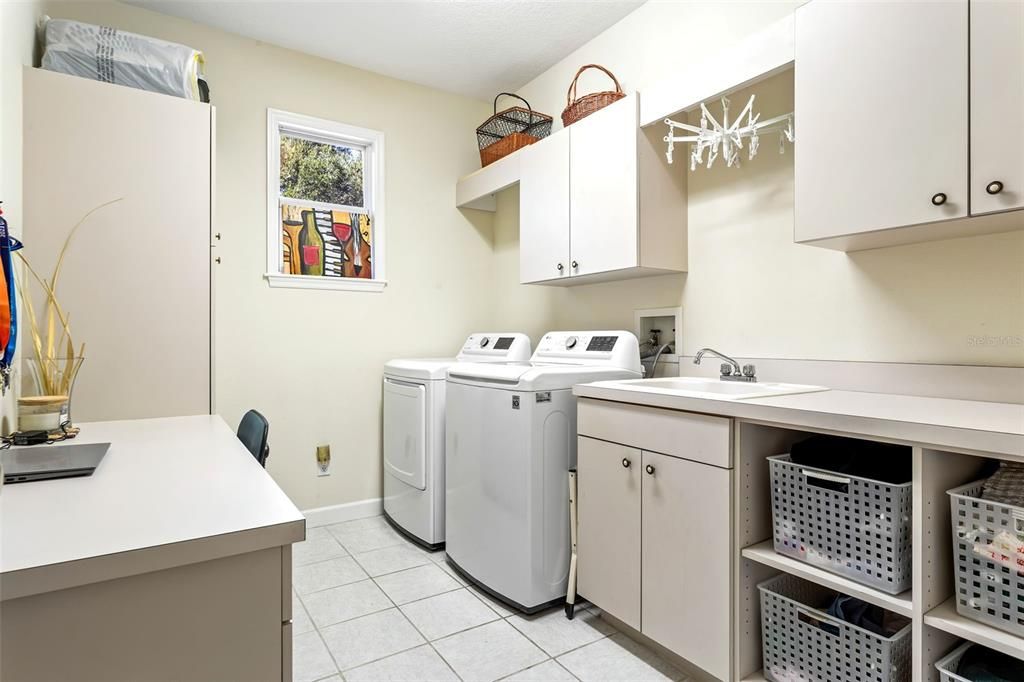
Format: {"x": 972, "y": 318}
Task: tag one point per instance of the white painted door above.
{"x": 544, "y": 209}
{"x": 608, "y": 545}
{"x": 136, "y": 278}
{"x": 997, "y": 105}
{"x": 881, "y": 115}
{"x": 603, "y": 206}
{"x": 687, "y": 544}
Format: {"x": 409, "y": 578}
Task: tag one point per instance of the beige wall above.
{"x": 311, "y": 361}
{"x": 17, "y": 48}
{"x": 750, "y": 290}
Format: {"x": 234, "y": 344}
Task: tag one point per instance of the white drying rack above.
{"x": 728, "y": 137}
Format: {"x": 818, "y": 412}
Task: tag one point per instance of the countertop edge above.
{"x": 52, "y": 577}
{"x": 936, "y": 436}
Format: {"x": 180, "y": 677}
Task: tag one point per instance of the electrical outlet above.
{"x": 323, "y": 460}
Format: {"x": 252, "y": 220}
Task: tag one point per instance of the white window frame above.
{"x": 321, "y": 130}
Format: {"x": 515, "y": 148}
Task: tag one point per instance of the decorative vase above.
{"x": 46, "y": 390}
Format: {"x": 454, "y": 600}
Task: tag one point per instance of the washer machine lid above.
{"x": 425, "y": 369}
{"x": 534, "y": 377}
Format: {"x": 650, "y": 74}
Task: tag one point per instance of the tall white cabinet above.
{"x": 597, "y": 201}
{"x": 136, "y": 280}
{"x": 905, "y": 116}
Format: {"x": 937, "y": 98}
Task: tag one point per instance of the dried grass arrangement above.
{"x": 51, "y": 339}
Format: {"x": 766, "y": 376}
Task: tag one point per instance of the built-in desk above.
{"x": 172, "y": 561}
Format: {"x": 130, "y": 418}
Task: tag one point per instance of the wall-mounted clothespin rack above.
{"x": 726, "y": 138}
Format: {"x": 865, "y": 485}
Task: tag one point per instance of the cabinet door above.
{"x": 881, "y": 115}
{"x": 603, "y": 205}
{"x": 608, "y": 546}
{"x": 544, "y": 210}
{"x": 997, "y": 105}
{"x": 687, "y": 545}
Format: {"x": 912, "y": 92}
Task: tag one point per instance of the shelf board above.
{"x": 756, "y": 677}
{"x": 764, "y": 553}
{"x": 944, "y": 617}
{"x": 477, "y": 189}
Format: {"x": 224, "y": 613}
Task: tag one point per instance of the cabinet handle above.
{"x": 560, "y": 267}
{"x": 650, "y": 469}
{"x": 938, "y": 199}
{"x": 994, "y": 187}
{"x": 625, "y": 462}
{"x": 575, "y": 265}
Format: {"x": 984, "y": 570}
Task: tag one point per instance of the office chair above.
{"x": 253, "y": 431}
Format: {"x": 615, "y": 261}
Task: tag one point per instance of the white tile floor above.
{"x": 370, "y": 606}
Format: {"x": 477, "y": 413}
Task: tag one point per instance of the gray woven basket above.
{"x": 855, "y": 527}
{"x": 986, "y": 591}
{"x": 801, "y": 643}
{"x": 947, "y": 666}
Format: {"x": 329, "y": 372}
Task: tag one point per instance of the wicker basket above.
{"x": 509, "y": 130}
{"x": 581, "y": 107}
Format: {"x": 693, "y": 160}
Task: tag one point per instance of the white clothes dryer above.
{"x": 414, "y": 417}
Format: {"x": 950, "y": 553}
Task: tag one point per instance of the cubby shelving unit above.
{"x": 937, "y": 627}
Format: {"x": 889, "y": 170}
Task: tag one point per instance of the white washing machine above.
{"x": 414, "y": 403}
{"x": 511, "y": 440}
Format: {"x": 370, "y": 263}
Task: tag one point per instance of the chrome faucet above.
{"x": 730, "y": 370}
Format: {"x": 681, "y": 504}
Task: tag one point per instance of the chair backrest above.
{"x": 253, "y": 431}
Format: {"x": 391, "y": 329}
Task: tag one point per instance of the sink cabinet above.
{"x": 655, "y": 525}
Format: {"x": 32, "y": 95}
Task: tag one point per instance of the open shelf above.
{"x": 945, "y": 617}
{"x": 477, "y": 189}
{"x": 764, "y": 553}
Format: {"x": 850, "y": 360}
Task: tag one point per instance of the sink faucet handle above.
{"x": 725, "y": 368}
{"x": 749, "y": 370}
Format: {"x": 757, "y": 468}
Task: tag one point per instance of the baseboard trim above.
{"x": 338, "y": 513}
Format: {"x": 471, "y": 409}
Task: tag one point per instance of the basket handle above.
{"x": 571, "y": 95}
{"x": 823, "y": 625}
{"x": 818, "y": 479}
{"x": 512, "y": 94}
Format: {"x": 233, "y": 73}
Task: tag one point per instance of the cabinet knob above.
{"x": 650, "y": 469}
{"x": 560, "y": 267}
{"x": 994, "y": 187}
{"x": 938, "y": 199}
{"x": 625, "y": 463}
{"x": 217, "y": 259}
{"x": 575, "y": 265}
{"x": 217, "y": 235}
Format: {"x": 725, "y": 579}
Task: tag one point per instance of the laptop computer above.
{"x": 41, "y": 462}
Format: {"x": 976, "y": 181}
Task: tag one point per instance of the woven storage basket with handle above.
{"x": 581, "y": 107}
{"x": 509, "y": 130}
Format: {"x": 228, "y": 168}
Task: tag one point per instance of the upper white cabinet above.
{"x": 598, "y": 202}
{"x": 997, "y": 105}
{"x": 881, "y": 106}
{"x": 544, "y": 219}
{"x": 897, "y": 142}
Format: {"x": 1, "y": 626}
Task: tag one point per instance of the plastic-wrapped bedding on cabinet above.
{"x": 107, "y": 54}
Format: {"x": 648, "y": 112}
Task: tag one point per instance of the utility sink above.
{"x": 717, "y": 389}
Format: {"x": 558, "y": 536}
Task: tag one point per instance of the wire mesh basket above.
{"x": 948, "y": 665}
{"x": 802, "y": 643}
{"x": 855, "y": 527}
{"x": 509, "y": 130}
{"x": 988, "y": 558}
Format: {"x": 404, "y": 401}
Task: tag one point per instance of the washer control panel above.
{"x": 613, "y": 348}
{"x": 496, "y": 347}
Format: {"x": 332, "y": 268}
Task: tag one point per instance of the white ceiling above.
{"x": 471, "y": 47}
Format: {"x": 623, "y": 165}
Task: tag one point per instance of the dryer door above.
{"x": 405, "y": 431}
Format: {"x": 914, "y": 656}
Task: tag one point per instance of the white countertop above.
{"x": 169, "y": 492}
{"x": 963, "y": 425}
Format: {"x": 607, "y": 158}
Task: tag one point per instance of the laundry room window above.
{"x": 325, "y": 204}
